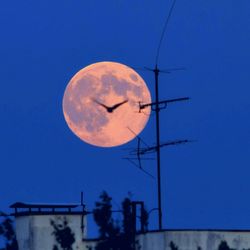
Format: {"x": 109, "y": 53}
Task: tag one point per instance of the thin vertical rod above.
{"x": 158, "y": 148}
{"x": 82, "y": 222}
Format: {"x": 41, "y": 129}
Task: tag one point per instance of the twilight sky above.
{"x": 205, "y": 184}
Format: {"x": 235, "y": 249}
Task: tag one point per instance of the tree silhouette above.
{"x": 224, "y": 246}
{"x": 108, "y": 230}
{"x": 8, "y": 233}
{"x": 173, "y": 246}
{"x": 103, "y": 217}
{"x": 63, "y": 235}
{"x": 113, "y": 236}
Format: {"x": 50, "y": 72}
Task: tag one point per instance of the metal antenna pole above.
{"x": 158, "y": 148}
{"x": 82, "y": 222}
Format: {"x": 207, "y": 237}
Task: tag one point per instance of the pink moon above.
{"x": 101, "y": 104}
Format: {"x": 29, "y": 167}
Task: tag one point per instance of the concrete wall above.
{"x": 189, "y": 240}
{"x": 194, "y": 240}
{"x": 35, "y": 232}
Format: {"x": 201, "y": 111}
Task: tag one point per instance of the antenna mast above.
{"x": 157, "y": 106}
{"x": 157, "y": 116}
{"x": 158, "y": 149}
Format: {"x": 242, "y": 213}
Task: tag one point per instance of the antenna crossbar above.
{"x": 153, "y": 149}
{"x": 152, "y": 104}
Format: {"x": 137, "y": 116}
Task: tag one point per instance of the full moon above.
{"x": 101, "y": 104}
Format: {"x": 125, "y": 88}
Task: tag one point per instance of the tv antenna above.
{"x": 136, "y": 154}
{"x": 156, "y": 106}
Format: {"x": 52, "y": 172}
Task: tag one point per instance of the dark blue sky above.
{"x": 205, "y": 184}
